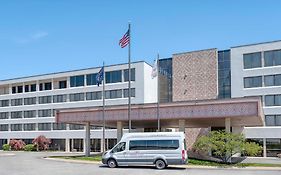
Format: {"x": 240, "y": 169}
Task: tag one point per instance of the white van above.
{"x": 160, "y": 149}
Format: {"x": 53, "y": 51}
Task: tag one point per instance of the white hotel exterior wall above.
{"x": 237, "y": 85}
{"x": 143, "y": 84}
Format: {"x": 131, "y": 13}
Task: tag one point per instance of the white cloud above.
{"x": 33, "y": 37}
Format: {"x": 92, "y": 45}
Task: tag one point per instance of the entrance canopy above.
{"x": 197, "y": 114}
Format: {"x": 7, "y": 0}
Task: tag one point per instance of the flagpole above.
{"x": 158, "y": 94}
{"x": 103, "y": 110}
{"x": 129, "y": 90}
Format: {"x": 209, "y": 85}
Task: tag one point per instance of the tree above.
{"x": 41, "y": 143}
{"x": 223, "y": 145}
{"x": 16, "y": 145}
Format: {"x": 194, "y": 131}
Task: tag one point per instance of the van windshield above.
{"x": 120, "y": 147}
{"x": 153, "y": 144}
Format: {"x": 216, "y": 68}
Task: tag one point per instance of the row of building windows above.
{"x": 27, "y": 114}
{"x": 254, "y": 60}
{"x": 109, "y": 94}
{"x": 77, "y": 81}
{"x": 41, "y": 127}
{"x": 269, "y": 80}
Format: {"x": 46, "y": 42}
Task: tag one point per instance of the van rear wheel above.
{"x": 111, "y": 163}
{"x": 160, "y": 164}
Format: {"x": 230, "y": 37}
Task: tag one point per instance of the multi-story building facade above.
{"x": 28, "y": 105}
{"x": 256, "y": 71}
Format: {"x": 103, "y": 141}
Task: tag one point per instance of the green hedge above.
{"x": 29, "y": 147}
{"x": 6, "y": 147}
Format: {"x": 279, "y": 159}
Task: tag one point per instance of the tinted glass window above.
{"x": 113, "y": 76}
{"x": 76, "y": 97}
{"x": 76, "y": 81}
{"x": 91, "y": 79}
{"x": 33, "y": 87}
{"x": 4, "y": 115}
{"x": 48, "y": 86}
{"x": 29, "y": 127}
{"x": 30, "y": 101}
{"x": 126, "y": 92}
{"x": 269, "y": 100}
{"x": 126, "y": 75}
{"x": 62, "y": 84}
{"x": 45, "y": 99}
{"x": 59, "y": 98}
{"x": 269, "y": 80}
{"x": 250, "y": 82}
{"x": 93, "y": 95}
{"x": 252, "y": 60}
{"x": 272, "y": 58}
{"x": 153, "y": 144}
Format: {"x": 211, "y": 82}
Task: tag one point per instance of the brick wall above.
{"x": 195, "y": 75}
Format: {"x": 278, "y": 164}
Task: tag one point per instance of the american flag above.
{"x": 125, "y": 40}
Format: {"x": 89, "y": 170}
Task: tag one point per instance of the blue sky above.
{"x": 45, "y": 36}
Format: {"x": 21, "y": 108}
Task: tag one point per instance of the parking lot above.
{"x": 33, "y": 163}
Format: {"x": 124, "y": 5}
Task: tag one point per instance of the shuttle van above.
{"x": 160, "y": 149}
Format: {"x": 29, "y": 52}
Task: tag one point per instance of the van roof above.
{"x": 152, "y": 134}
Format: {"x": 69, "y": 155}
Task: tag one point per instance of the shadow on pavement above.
{"x": 144, "y": 167}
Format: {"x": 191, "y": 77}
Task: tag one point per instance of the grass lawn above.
{"x": 190, "y": 162}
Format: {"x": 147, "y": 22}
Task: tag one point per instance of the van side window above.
{"x": 153, "y": 144}
{"x": 120, "y": 147}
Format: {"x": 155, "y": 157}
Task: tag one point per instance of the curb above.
{"x": 179, "y": 166}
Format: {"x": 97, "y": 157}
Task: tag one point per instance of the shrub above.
{"x": 41, "y": 143}
{"x": 29, "y": 147}
{"x": 16, "y": 145}
{"x": 224, "y": 145}
{"x": 6, "y": 147}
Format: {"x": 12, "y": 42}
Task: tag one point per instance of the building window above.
{"x": 272, "y": 80}
{"x": 16, "y": 102}
{"x": 14, "y": 90}
{"x": 273, "y": 120}
{"x": 16, "y": 127}
{"x": 113, "y": 94}
{"x": 62, "y": 84}
{"x": 44, "y": 126}
{"x": 20, "y": 89}
{"x": 45, "y": 113}
{"x": 250, "y": 82}
{"x": 29, "y": 127}
{"x": 272, "y": 58}
{"x": 76, "y": 81}
{"x": 59, "y": 98}
{"x": 126, "y": 92}
{"x": 48, "y": 86}
{"x": 91, "y": 79}
{"x": 33, "y": 88}
{"x": 45, "y": 99}
{"x": 76, "y": 97}
{"x": 26, "y": 88}
{"x": 16, "y": 114}
{"x": 252, "y": 60}
{"x": 94, "y": 95}
{"x": 4, "y": 127}
{"x": 4, "y": 115}
{"x": 29, "y": 114}
{"x": 113, "y": 76}
{"x": 4, "y": 103}
{"x": 273, "y": 100}
{"x": 41, "y": 86}
{"x": 75, "y": 127}
{"x": 30, "y": 101}
{"x": 126, "y": 75}
{"x": 59, "y": 126}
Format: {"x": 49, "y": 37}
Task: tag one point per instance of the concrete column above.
{"x": 87, "y": 144}
{"x": 264, "y": 147}
{"x": 227, "y": 125}
{"x": 119, "y": 131}
{"x": 72, "y": 145}
{"x": 67, "y": 145}
{"x": 101, "y": 145}
{"x": 182, "y": 126}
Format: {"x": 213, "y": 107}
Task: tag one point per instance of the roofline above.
{"x": 267, "y": 42}
{"x": 194, "y": 51}
{"x": 55, "y": 73}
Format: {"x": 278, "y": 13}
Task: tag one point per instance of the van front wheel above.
{"x": 111, "y": 163}
{"x": 160, "y": 164}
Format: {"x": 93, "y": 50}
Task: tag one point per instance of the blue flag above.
{"x": 99, "y": 77}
